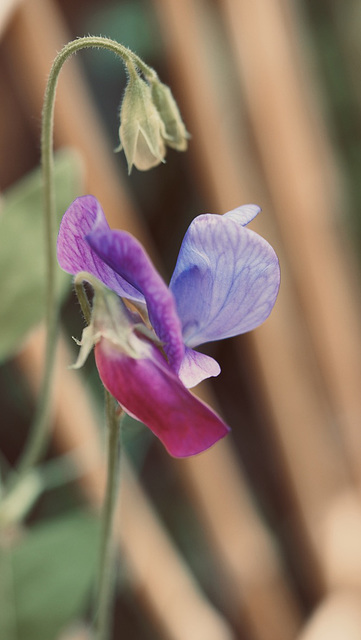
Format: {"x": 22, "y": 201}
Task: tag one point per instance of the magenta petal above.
{"x": 126, "y": 256}
{"x": 196, "y": 367}
{"x": 75, "y": 254}
{"x": 149, "y": 391}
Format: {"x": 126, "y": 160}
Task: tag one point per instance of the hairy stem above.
{"x": 106, "y": 568}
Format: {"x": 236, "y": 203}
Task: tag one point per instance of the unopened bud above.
{"x": 142, "y": 130}
{"x": 176, "y": 135}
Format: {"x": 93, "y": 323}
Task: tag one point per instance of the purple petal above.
{"x": 75, "y": 254}
{"x": 225, "y": 281}
{"x": 149, "y": 391}
{"x": 196, "y": 367}
{"x": 244, "y": 214}
{"x": 126, "y": 257}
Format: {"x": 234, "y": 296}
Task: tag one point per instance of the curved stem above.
{"x": 106, "y": 569}
{"x": 38, "y": 435}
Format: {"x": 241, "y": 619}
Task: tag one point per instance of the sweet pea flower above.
{"x": 225, "y": 283}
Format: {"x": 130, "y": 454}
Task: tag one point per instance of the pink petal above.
{"x": 149, "y": 391}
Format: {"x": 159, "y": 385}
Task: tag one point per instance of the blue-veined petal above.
{"x": 243, "y": 214}
{"x": 225, "y": 281}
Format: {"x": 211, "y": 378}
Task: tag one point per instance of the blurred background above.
{"x": 259, "y": 538}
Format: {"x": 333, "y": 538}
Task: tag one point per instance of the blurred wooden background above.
{"x": 259, "y": 538}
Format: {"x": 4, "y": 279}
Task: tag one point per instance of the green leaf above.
{"x": 46, "y": 578}
{"x": 130, "y": 22}
{"x": 22, "y": 249}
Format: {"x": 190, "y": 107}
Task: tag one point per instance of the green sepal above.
{"x": 176, "y": 134}
{"x": 111, "y": 320}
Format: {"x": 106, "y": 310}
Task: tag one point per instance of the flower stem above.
{"x": 82, "y": 297}
{"x": 106, "y": 568}
{"x": 38, "y": 437}
{"x": 106, "y": 573}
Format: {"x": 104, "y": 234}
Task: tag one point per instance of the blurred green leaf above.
{"x": 45, "y": 579}
{"x": 22, "y": 249}
{"x": 130, "y": 22}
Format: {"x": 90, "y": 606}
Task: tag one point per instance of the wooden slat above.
{"x": 7, "y": 8}
{"x": 297, "y": 160}
{"x": 338, "y": 616}
{"x": 255, "y": 588}
{"x": 339, "y": 537}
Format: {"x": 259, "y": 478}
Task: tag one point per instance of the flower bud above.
{"x": 176, "y": 135}
{"x": 142, "y": 130}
